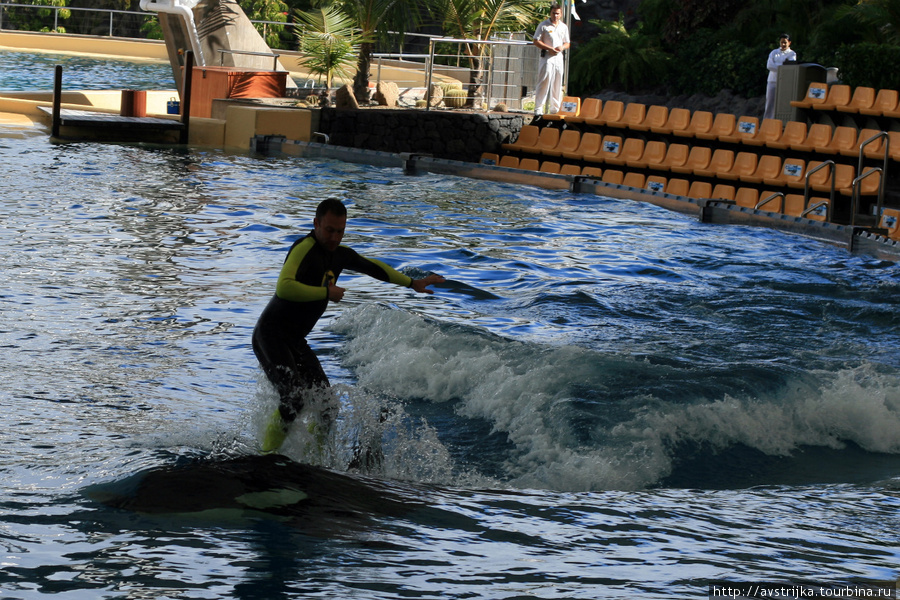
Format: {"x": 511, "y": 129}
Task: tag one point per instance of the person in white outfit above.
{"x": 552, "y": 37}
{"x": 777, "y": 57}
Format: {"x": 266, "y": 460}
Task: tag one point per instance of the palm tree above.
{"x": 329, "y": 43}
{"x": 376, "y": 18}
{"x": 479, "y": 20}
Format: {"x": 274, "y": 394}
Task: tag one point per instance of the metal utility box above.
{"x": 210, "y": 83}
{"x": 793, "y": 81}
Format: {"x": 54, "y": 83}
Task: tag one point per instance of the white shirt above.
{"x": 552, "y": 35}
{"x": 776, "y": 59}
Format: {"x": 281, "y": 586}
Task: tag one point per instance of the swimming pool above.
{"x": 606, "y": 399}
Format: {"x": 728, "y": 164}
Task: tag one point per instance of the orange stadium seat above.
{"x": 769, "y": 131}
{"x": 590, "y": 109}
{"x": 595, "y": 172}
{"x": 890, "y": 220}
{"x": 510, "y": 162}
{"x": 570, "y": 170}
{"x": 815, "y": 94}
{"x": 698, "y": 158}
{"x": 838, "y": 95}
{"x": 633, "y": 180}
{"x": 632, "y": 149}
{"x": 679, "y": 118}
{"x": 746, "y": 128}
{"x": 612, "y": 176}
{"x": 842, "y": 140}
{"x": 655, "y": 183}
{"x": 676, "y": 156}
{"x": 745, "y": 196}
{"x": 634, "y": 114}
{"x": 863, "y": 97}
{"x": 791, "y": 174}
{"x": 767, "y": 167}
{"x": 612, "y": 111}
{"x": 569, "y": 140}
{"x": 547, "y": 140}
{"x": 550, "y": 167}
{"x": 701, "y": 121}
{"x": 700, "y": 189}
{"x": 744, "y": 164}
{"x": 817, "y": 136}
{"x": 528, "y": 138}
{"x": 721, "y": 162}
{"x": 723, "y": 191}
{"x": 490, "y": 159}
{"x": 569, "y": 107}
{"x": 723, "y": 125}
{"x": 589, "y": 144}
{"x": 678, "y": 187}
{"x": 885, "y": 102}
{"x": 654, "y": 154}
{"x": 529, "y": 164}
{"x": 611, "y": 147}
{"x": 656, "y": 117}
{"x": 794, "y": 132}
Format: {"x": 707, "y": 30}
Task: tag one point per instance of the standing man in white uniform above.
{"x": 777, "y": 57}
{"x": 552, "y": 37}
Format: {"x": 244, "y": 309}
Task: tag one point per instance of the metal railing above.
{"x": 108, "y": 16}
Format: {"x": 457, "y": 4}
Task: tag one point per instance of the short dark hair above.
{"x": 331, "y": 205}
{"x": 785, "y": 36}
{"x": 555, "y": 6}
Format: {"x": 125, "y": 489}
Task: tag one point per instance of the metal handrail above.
{"x": 884, "y": 169}
{"x": 762, "y": 203}
{"x": 854, "y": 205}
{"x": 806, "y": 209}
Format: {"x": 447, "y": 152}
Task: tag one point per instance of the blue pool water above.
{"x": 605, "y": 400}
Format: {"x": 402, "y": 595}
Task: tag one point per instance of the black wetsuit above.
{"x": 301, "y": 297}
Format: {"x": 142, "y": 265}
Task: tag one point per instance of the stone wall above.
{"x": 454, "y": 135}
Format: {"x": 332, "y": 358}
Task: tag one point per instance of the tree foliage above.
{"x": 329, "y": 42}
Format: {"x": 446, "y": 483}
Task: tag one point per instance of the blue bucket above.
{"x": 173, "y": 107}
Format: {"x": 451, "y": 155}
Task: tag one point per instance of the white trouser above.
{"x": 770, "y": 100}
{"x": 550, "y": 77}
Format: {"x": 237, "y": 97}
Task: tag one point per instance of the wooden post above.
{"x": 57, "y": 100}
{"x": 186, "y": 96}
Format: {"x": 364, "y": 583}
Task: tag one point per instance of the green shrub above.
{"x": 704, "y": 65}
{"x": 866, "y": 64}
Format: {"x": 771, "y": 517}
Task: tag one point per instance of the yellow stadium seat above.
{"x": 568, "y": 142}
{"x": 634, "y": 113}
{"x": 816, "y": 93}
{"x": 721, "y": 162}
{"x": 595, "y": 172}
{"x": 698, "y": 158}
{"x": 769, "y": 131}
{"x": 530, "y": 164}
{"x": 590, "y": 109}
{"x": 701, "y": 122}
{"x": 570, "y": 170}
{"x": 723, "y": 125}
{"x": 656, "y": 117}
{"x": 863, "y": 97}
{"x": 820, "y": 180}
{"x": 793, "y": 204}
{"x": 679, "y": 118}
{"x": 490, "y": 159}
{"x": 528, "y": 138}
{"x": 589, "y": 144}
{"x": 885, "y": 102}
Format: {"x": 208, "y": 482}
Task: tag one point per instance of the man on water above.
{"x": 308, "y": 280}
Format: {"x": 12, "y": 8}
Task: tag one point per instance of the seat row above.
{"x": 843, "y": 98}
{"x": 788, "y": 203}
{"x": 818, "y": 138}
{"x": 701, "y": 161}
